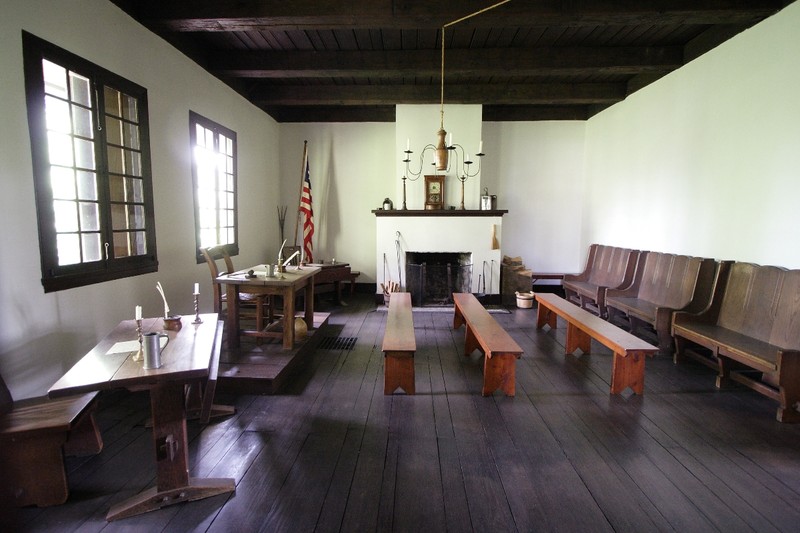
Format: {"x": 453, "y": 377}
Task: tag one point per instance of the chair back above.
{"x": 212, "y": 255}
{"x": 6, "y": 401}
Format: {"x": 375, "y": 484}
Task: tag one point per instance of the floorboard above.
{"x": 330, "y": 452}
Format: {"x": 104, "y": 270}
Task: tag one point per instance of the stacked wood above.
{"x": 515, "y": 277}
{"x": 388, "y": 288}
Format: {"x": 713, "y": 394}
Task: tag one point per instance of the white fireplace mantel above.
{"x": 399, "y": 231}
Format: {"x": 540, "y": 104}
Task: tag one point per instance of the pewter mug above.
{"x": 151, "y": 344}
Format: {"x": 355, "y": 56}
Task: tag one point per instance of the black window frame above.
{"x": 196, "y": 119}
{"x": 57, "y": 277}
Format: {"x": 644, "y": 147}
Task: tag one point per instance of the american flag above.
{"x": 308, "y": 217}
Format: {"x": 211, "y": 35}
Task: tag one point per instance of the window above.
{"x": 214, "y": 176}
{"x": 91, "y": 168}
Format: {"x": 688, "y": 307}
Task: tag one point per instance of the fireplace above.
{"x": 460, "y": 238}
{"x": 433, "y": 277}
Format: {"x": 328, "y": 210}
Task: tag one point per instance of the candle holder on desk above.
{"x": 139, "y": 355}
{"x": 197, "y": 319}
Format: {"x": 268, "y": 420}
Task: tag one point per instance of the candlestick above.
{"x": 197, "y": 319}
{"x": 139, "y": 355}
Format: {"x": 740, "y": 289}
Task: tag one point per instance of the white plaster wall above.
{"x": 536, "y": 171}
{"x": 707, "y": 160}
{"x": 42, "y": 335}
{"x": 352, "y": 171}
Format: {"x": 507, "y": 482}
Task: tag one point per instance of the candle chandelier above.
{"x": 445, "y": 150}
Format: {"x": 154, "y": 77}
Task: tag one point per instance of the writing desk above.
{"x": 185, "y": 360}
{"x": 285, "y": 284}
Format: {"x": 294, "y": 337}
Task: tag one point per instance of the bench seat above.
{"x": 399, "y": 345}
{"x": 35, "y": 434}
{"x": 607, "y": 267}
{"x": 664, "y": 284}
{"x": 751, "y": 331}
{"x": 485, "y": 334}
{"x": 582, "y": 326}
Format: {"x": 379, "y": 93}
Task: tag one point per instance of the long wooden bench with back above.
{"x": 485, "y": 334}
{"x": 34, "y": 436}
{"x": 607, "y": 267}
{"x": 667, "y": 283}
{"x": 752, "y": 329}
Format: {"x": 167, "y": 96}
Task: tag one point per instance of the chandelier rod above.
{"x": 462, "y": 19}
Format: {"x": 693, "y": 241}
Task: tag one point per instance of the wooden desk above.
{"x": 285, "y": 285}
{"x": 334, "y": 273}
{"x": 186, "y": 360}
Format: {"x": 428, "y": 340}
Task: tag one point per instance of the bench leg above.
{"x": 544, "y": 316}
{"x": 84, "y": 438}
{"x": 499, "y": 372}
{"x": 33, "y": 470}
{"x": 398, "y": 372}
{"x": 470, "y": 342}
{"x": 628, "y": 372}
{"x": 458, "y": 318}
{"x": 788, "y": 388}
{"x": 577, "y": 338}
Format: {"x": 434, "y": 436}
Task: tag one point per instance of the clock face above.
{"x": 434, "y": 192}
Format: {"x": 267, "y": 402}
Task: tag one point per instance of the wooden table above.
{"x": 186, "y": 360}
{"x": 334, "y": 273}
{"x": 286, "y": 285}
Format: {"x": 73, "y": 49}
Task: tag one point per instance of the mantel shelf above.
{"x": 440, "y": 212}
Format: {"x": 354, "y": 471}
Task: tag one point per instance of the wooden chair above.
{"x": 258, "y": 306}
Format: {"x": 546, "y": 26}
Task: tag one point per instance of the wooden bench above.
{"x": 34, "y": 436}
{"x": 752, "y": 329}
{"x": 667, "y": 283}
{"x": 607, "y": 267}
{"x": 485, "y": 334}
{"x": 399, "y": 345}
{"x": 582, "y": 327}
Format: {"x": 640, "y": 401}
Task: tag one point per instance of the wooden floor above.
{"x": 332, "y": 453}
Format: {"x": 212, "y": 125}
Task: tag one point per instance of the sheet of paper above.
{"x": 124, "y": 347}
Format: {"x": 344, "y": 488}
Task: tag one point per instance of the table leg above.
{"x": 288, "y": 318}
{"x": 309, "y": 303}
{"x": 232, "y": 295}
{"x": 173, "y": 484}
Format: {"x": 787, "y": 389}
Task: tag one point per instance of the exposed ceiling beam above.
{"x": 259, "y": 15}
{"x": 480, "y": 62}
{"x": 533, "y": 93}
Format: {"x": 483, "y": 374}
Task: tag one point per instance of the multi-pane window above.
{"x": 214, "y": 174}
{"x": 90, "y": 149}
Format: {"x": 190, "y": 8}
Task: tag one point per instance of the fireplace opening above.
{"x": 433, "y": 277}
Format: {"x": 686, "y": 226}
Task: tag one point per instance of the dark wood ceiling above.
{"x": 325, "y": 60}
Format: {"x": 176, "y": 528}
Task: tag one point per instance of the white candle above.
{"x": 408, "y": 144}
{"x": 467, "y": 157}
{"x": 480, "y": 147}
{"x": 450, "y": 140}
{"x": 196, "y": 288}
{"x": 138, "y": 312}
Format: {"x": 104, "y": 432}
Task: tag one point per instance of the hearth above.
{"x": 433, "y": 277}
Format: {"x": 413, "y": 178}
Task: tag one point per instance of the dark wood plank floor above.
{"x": 332, "y": 453}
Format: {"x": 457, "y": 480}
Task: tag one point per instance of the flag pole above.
{"x": 300, "y": 193}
